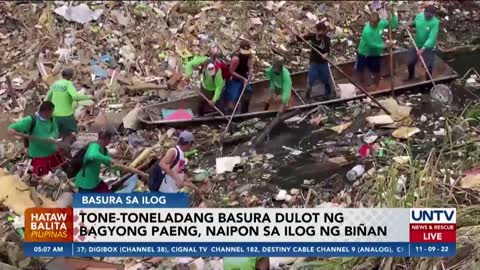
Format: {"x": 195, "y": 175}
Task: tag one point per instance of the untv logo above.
{"x": 433, "y": 215}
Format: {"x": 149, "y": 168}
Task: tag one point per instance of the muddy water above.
{"x": 331, "y": 177}
{"x": 312, "y": 165}
{"x": 461, "y": 62}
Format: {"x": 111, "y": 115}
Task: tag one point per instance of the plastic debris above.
{"x": 380, "y": 120}
{"x": 226, "y": 164}
{"x": 81, "y": 13}
{"x": 440, "y": 132}
{"x": 370, "y": 137}
{"x": 401, "y": 159}
{"x": 292, "y": 151}
{"x": 355, "y": 173}
{"x": 405, "y": 132}
{"x": 347, "y": 90}
{"x": 401, "y": 184}
{"x": 340, "y": 128}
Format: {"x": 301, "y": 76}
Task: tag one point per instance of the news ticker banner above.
{"x": 157, "y": 224}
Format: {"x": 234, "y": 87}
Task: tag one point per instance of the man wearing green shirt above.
{"x": 62, "y": 94}
{"x": 280, "y": 84}
{"x": 371, "y": 46}
{"x": 88, "y": 178}
{"x": 246, "y": 263}
{"x": 212, "y": 80}
{"x": 426, "y": 26}
{"x": 44, "y": 153}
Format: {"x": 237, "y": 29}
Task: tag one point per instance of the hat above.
{"x": 211, "y": 69}
{"x": 185, "y": 137}
{"x": 245, "y": 47}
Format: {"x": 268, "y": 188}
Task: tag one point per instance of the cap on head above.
{"x": 211, "y": 69}
{"x": 245, "y": 47}
{"x": 185, "y": 138}
{"x": 67, "y": 73}
{"x": 430, "y": 10}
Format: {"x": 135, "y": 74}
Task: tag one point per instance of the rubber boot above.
{"x": 244, "y": 106}
{"x": 411, "y": 73}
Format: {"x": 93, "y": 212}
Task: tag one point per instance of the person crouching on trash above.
{"x": 96, "y": 154}
{"x": 44, "y": 152}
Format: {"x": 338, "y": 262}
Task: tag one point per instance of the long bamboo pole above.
{"x": 211, "y": 104}
{"x": 234, "y": 110}
{"x": 421, "y": 57}
{"x": 392, "y": 85}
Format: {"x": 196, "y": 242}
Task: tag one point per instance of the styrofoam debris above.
{"x": 226, "y": 164}
{"x": 281, "y": 196}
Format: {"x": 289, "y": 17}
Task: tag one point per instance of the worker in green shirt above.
{"x": 212, "y": 77}
{"x": 371, "y": 45}
{"x": 246, "y": 263}
{"x": 44, "y": 152}
{"x": 280, "y": 84}
{"x": 96, "y": 154}
{"x": 62, "y": 94}
{"x": 426, "y": 26}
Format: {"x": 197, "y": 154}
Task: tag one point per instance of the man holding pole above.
{"x": 371, "y": 46}
{"x": 62, "y": 94}
{"x": 318, "y": 69}
{"x": 172, "y": 165}
{"x": 96, "y": 154}
{"x": 86, "y": 164}
{"x": 426, "y": 26}
{"x": 241, "y": 68}
{"x": 46, "y": 157}
{"x": 213, "y": 77}
{"x": 280, "y": 84}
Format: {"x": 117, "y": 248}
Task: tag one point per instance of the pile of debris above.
{"x": 122, "y": 50}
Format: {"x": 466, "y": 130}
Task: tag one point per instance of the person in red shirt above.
{"x": 241, "y": 69}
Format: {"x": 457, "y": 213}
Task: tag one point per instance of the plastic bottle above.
{"x": 355, "y": 173}
{"x": 402, "y": 180}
